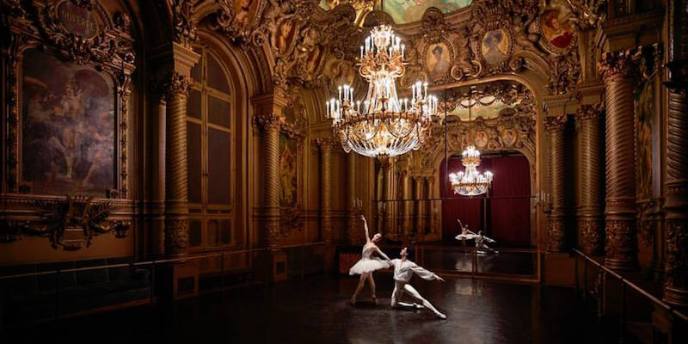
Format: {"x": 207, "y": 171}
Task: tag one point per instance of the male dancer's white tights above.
{"x": 401, "y": 287}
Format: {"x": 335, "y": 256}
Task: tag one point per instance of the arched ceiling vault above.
{"x": 298, "y": 44}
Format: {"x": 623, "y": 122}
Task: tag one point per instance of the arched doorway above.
{"x": 505, "y": 214}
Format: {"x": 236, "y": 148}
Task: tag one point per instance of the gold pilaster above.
{"x": 406, "y": 205}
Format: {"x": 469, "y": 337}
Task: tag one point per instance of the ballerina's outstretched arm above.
{"x": 382, "y": 254}
{"x": 365, "y": 226}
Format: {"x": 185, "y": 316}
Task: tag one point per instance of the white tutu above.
{"x": 365, "y": 265}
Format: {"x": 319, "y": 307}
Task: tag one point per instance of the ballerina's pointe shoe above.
{"x": 374, "y": 300}
{"x": 441, "y": 316}
{"x": 352, "y": 301}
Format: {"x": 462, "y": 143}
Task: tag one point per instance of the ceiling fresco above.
{"x": 401, "y": 11}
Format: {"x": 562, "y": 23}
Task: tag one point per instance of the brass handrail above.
{"x": 633, "y": 286}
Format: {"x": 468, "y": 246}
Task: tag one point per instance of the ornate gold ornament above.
{"x": 71, "y": 223}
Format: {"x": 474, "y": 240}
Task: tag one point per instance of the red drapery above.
{"x": 507, "y": 215}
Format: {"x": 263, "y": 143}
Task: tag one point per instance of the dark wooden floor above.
{"x": 315, "y": 310}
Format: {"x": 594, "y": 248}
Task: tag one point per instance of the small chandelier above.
{"x": 470, "y": 182}
{"x": 382, "y": 125}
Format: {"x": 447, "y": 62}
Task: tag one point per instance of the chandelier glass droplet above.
{"x": 470, "y": 182}
{"x": 382, "y": 125}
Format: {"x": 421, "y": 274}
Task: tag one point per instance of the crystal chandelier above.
{"x": 470, "y": 182}
{"x": 382, "y": 124}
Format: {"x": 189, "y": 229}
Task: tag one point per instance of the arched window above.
{"x": 210, "y": 123}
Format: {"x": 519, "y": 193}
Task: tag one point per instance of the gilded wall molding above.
{"x": 70, "y": 223}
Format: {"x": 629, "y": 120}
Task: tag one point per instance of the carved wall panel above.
{"x": 68, "y": 65}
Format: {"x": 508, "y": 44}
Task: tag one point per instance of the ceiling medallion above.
{"x": 382, "y": 125}
{"x": 470, "y": 182}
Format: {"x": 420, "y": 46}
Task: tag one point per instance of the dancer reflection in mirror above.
{"x": 369, "y": 263}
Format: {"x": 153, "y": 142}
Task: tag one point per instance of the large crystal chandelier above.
{"x": 470, "y": 182}
{"x": 382, "y": 124}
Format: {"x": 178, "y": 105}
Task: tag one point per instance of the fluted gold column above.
{"x": 429, "y": 218}
{"x": 389, "y": 196}
{"x": 589, "y": 212}
{"x": 270, "y": 124}
{"x": 406, "y": 206}
{"x": 617, "y": 71}
{"x": 419, "y": 182}
{"x": 176, "y": 174}
{"x": 353, "y": 211}
{"x": 325, "y": 190}
{"x": 676, "y": 182}
{"x": 176, "y": 207}
{"x": 556, "y": 233}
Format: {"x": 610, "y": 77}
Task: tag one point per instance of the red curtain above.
{"x": 507, "y": 217}
{"x": 509, "y": 213}
{"x": 468, "y": 210}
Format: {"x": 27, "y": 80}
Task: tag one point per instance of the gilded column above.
{"x": 176, "y": 88}
{"x": 270, "y": 124}
{"x": 176, "y": 208}
{"x": 325, "y": 190}
{"x": 589, "y": 212}
{"x": 420, "y": 206}
{"x": 556, "y": 219}
{"x": 406, "y": 204}
{"x": 351, "y": 200}
{"x": 617, "y": 70}
{"x": 676, "y": 181}
{"x": 429, "y": 218}
{"x": 390, "y": 206}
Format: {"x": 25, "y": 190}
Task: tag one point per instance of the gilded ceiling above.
{"x": 401, "y": 11}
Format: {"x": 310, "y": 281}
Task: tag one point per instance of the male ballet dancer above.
{"x": 403, "y": 271}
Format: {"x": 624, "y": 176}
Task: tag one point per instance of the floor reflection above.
{"x": 315, "y": 310}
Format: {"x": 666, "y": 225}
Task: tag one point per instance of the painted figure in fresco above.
{"x": 68, "y": 127}
{"x": 557, "y": 33}
{"x": 404, "y": 269}
{"x": 438, "y": 61}
{"x": 288, "y": 177}
{"x": 495, "y": 46}
{"x": 368, "y": 263}
{"x": 243, "y": 14}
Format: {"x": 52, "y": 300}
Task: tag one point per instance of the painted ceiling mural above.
{"x": 409, "y": 11}
{"x": 401, "y": 11}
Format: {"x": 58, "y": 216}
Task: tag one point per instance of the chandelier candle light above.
{"x": 382, "y": 125}
{"x": 470, "y": 182}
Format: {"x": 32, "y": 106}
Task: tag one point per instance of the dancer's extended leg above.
{"x": 411, "y": 290}
{"x": 359, "y": 287}
{"x": 398, "y": 293}
{"x": 372, "y": 287}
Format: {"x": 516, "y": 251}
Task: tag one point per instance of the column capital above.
{"x": 268, "y": 121}
{"x": 555, "y": 123}
{"x": 620, "y": 63}
{"x": 325, "y": 143}
{"x": 589, "y": 111}
{"x": 175, "y": 84}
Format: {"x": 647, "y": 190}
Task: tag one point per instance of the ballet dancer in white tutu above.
{"x": 368, "y": 263}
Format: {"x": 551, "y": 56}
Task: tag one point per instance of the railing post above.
{"x": 575, "y": 271}
{"x": 57, "y": 294}
{"x": 622, "y": 319}
{"x": 585, "y": 279}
